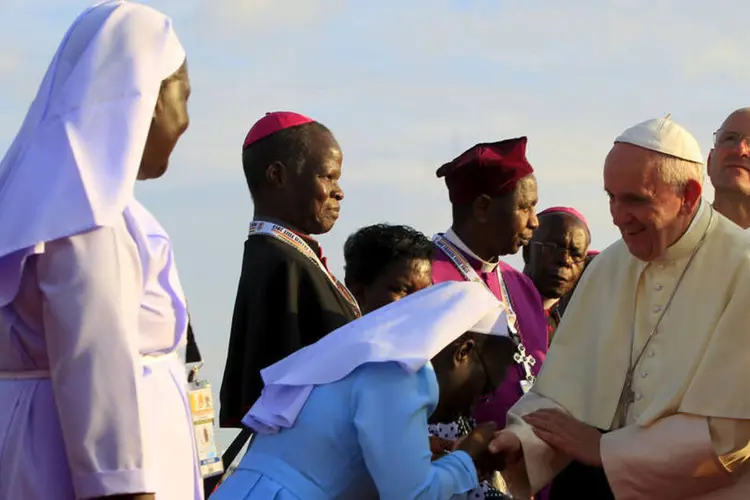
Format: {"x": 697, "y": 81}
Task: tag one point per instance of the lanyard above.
{"x": 521, "y": 357}
{"x": 283, "y": 234}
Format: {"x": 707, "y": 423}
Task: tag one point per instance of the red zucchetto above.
{"x": 272, "y": 123}
{"x": 489, "y": 168}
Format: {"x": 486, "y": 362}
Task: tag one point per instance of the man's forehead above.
{"x": 737, "y": 121}
{"x": 526, "y": 188}
{"x": 557, "y": 225}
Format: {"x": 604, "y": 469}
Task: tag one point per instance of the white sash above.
{"x": 522, "y": 357}
{"x": 283, "y": 234}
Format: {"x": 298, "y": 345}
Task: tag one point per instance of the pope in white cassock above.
{"x": 644, "y": 393}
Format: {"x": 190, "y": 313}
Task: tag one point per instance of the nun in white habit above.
{"x": 347, "y": 416}
{"x": 91, "y": 308}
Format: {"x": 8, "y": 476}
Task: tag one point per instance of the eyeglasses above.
{"x": 488, "y": 393}
{"x": 729, "y": 139}
{"x": 552, "y": 250}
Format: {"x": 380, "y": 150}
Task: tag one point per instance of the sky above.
{"x": 406, "y": 87}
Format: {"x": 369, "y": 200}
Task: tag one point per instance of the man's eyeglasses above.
{"x": 730, "y": 139}
{"x": 554, "y": 251}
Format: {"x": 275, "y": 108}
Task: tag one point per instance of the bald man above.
{"x": 729, "y": 168}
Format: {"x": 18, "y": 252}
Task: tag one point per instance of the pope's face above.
{"x": 650, "y": 213}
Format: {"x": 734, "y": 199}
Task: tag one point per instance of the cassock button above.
{"x": 657, "y": 309}
{"x": 638, "y": 397}
{"x": 658, "y": 288}
{"x": 644, "y": 374}
{"x": 651, "y": 354}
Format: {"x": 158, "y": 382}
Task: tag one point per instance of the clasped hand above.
{"x": 565, "y": 434}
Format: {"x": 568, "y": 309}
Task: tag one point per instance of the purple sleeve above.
{"x": 91, "y": 285}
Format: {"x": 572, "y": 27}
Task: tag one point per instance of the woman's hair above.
{"x": 371, "y": 249}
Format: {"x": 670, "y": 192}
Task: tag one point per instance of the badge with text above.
{"x": 202, "y": 411}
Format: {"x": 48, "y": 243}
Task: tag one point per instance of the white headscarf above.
{"x": 73, "y": 165}
{"x": 409, "y": 332}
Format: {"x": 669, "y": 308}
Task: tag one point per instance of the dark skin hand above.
{"x": 579, "y": 441}
{"x": 475, "y": 444}
{"x": 440, "y": 447}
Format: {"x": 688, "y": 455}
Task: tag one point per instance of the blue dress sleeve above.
{"x": 390, "y": 410}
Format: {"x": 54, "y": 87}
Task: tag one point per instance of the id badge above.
{"x": 525, "y": 386}
{"x": 202, "y": 411}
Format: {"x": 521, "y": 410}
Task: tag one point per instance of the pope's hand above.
{"x": 506, "y": 447}
{"x": 579, "y": 441}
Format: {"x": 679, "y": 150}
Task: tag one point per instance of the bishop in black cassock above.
{"x": 287, "y": 298}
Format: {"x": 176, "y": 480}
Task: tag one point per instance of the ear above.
{"x": 463, "y": 352}
{"x": 276, "y": 174}
{"x": 708, "y": 161}
{"x": 691, "y": 195}
{"x": 480, "y": 207}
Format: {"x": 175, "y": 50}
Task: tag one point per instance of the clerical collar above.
{"x": 486, "y": 267}
{"x": 686, "y": 244}
{"x": 311, "y": 242}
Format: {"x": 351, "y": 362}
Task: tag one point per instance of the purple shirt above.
{"x": 532, "y": 325}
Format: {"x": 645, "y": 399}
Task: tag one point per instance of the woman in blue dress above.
{"x": 347, "y": 417}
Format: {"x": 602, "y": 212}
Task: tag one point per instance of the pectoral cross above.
{"x": 522, "y": 358}
{"x": 627, "y": 398}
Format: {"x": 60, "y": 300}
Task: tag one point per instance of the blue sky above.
{"x": 406, "y": 86}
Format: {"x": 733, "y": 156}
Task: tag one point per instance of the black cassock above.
{"x": 284, "y": 302}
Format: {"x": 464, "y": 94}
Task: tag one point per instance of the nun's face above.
{"x": 170, "y": 121}
{"x": 468, "y": 372}
{"x": 652, "y": 214}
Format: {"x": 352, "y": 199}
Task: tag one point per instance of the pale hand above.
{"x": 564, "y": 433}
{"x": 508, "y": 446}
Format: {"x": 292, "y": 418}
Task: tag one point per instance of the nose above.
{"x": 743, "y": 148}
{"x": 619, "y": 215}
{"x": 337, "y": 193}
{"x": 564, "y": 259}
{"x": 533, "y": 222}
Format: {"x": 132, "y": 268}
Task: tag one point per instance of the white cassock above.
{"x": 687, "y": 433}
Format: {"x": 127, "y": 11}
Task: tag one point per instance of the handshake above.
{"x": 490, "y": 449}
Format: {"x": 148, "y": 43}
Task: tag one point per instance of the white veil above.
{"x": 73, "y": 165}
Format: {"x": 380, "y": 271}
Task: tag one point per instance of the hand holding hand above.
{"x": 440, "y": 447}
{"x": 476, "y": 443}
{"x": 579, "y": 441}
{"x": 505, "y": 449}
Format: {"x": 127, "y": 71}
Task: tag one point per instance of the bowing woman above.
{"x": 347, "y": 416}
{"x": 91, "y": 308}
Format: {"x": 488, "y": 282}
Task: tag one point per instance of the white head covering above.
{"x": 664, "y": 136}
{"x": 73, "y": 165}
{"x": 410, "y": 332}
